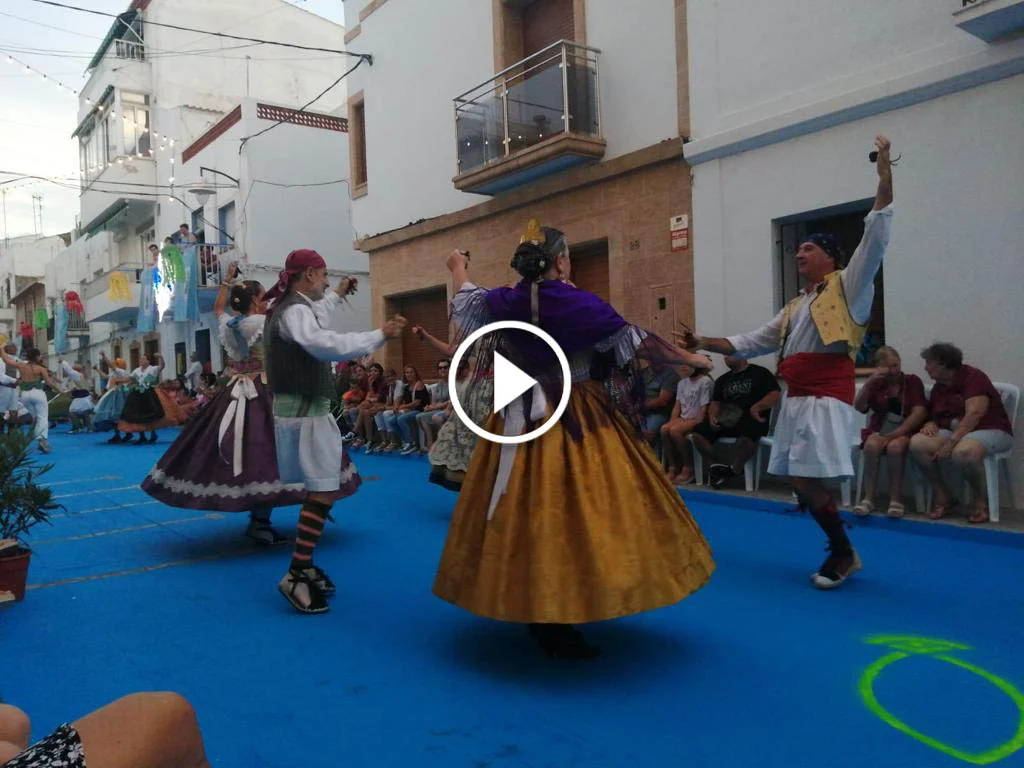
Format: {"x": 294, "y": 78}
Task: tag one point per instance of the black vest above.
{"x": 291, "y": 370}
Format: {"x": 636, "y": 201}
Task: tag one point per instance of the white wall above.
{"x": 284, "y": 75}
{"x": 956, "y": 261}
{"x": 637, "y": 70}
{"x": 419, "y": 68}
{"x": 27, "y": 256}
{"x": 761, "y": 72}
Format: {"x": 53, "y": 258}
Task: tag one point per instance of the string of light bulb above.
{"x": 30, "y": 70}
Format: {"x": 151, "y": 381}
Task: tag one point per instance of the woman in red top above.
{"x": 898, "y": 410}
{"x": 968, "y": 422}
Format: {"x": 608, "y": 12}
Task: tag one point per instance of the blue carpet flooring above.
{"x": 757, "y": 669}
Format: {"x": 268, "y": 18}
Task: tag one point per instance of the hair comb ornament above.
{"x": 534, "y": 234}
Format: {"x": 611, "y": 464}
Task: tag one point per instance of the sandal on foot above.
{"x": 938, "y": 511}
{"x": 264, "y": 533}
{"x": 895, "y": 510}
{"x": 322, "y": 580}
{"x": 864, "y": 507}
{"x": 300, "y": 589}
{"x": 979, "y": 515}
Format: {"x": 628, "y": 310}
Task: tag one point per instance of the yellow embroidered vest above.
{"x": 831, "y": 316}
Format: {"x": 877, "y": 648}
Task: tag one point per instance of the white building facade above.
{"x": 780, "y": 138}
{"x": 154, "y": 91}
{"x": 477, "y": 115}
{"x": 285, "y": 190}
{"x": 23, "y": 262}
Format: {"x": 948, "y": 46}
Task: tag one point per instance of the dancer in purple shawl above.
{"x": 580, "y": 524}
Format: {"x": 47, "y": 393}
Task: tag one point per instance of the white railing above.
{"x": 213, "y": 261}
{"x": 130, "y": 49}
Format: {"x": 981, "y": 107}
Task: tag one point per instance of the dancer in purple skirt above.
{"x": 225, "y": 458}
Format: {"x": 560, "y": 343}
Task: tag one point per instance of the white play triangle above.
{"x": 509, "y": 382}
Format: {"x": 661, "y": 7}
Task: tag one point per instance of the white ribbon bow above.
{"x": 514, "y": 425}
{"x": 242, "y": 391}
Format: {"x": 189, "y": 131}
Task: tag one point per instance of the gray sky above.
{"x": 37, "y": 117}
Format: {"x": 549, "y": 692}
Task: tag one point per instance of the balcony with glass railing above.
{"x": 989, "y": 20}
{"x": 534, "y": 119}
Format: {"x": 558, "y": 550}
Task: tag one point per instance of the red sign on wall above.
{"x": 679, "y": 229}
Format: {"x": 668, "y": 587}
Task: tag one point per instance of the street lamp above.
{"x": 203, "y": 190}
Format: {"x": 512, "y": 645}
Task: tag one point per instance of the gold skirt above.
{"x": 586, "y": 531}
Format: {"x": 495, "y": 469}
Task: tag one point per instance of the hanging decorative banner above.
{"x": 73, "y": 303}
{"x": 147, "y": 300}
{"x": 118, "y": 289}
{"x": 186, "y": 296}
{"x": 60, "y": 329}
{"x": 40, "y": 319}
{"x": 172, "y": 264}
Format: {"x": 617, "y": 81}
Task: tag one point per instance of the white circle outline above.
{"x": 453, "y": 372}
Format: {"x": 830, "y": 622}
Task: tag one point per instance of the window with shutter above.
{"x": 430, "y": 310}
{"x": 546, "y": 22}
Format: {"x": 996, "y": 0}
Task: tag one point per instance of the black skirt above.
{"x": 142, "y": 408}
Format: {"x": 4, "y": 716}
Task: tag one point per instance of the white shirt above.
{"x": 858, "y": 283}
{"x": 251, "y": 329}
{"x": 308, "y": 325}
{"x": 693, "y": 394}
{"x": 6, "y": 371}
{"x": 192, "y": 374}
{"x": 140, "y": 374}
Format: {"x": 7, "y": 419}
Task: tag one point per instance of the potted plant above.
{"x": 23, "y": 504}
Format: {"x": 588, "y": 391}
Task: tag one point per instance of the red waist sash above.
{"x": 817, "y": 374}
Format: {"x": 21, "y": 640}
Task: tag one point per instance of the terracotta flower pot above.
{"x": 14, "y": 573}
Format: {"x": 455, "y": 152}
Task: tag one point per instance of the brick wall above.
{"x": 631, "y": 210}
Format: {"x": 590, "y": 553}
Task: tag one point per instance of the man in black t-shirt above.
{"x": 739, "y": 408}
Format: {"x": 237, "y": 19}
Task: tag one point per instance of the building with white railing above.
{"x": 23, "y": 263}
{"x": 785, "y": 102}
{"x": 151, "y": 92}
{"x": 478, "y": 115}
{"x": 287, "y": 190}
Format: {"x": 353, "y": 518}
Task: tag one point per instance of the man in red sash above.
{"x": 817, "y": 336}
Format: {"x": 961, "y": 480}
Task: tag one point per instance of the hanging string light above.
{"x": 29, "y": 70}
{"x": 100, "y": 108}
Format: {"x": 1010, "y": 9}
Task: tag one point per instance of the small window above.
{"x": 135, "y": 116}
{"x": 357, "y": 144}
{"x": 848, "y": 227}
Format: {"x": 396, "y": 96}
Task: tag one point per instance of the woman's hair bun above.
{"x": 532, "y": 259}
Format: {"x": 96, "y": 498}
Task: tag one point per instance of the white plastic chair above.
{"x": 698, "y": 463}
{"x": 1010, "y": 394}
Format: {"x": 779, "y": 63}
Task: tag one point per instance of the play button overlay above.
{"x": 510, "y": 382}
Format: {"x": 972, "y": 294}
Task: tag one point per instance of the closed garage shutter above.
{"x": 546, "y": 22}
{"x": 429, "y": 309}
{"x": 590, "y": 269}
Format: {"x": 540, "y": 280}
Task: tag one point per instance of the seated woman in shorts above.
{"x": 968, "y": 421}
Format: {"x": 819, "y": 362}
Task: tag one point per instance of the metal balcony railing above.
{"x": 554, "y": 91}
{"x": 130, "y": 49}
{"x": 213, "y": 261}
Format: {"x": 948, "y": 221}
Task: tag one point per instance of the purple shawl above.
{"x": 576, "y": 319}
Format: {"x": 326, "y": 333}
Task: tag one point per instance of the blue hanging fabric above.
{"x": 60, "y": 329}
{"x": 186, "y": 288}
{"x": 147, "y": 300}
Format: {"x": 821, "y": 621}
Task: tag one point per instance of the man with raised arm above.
{"x": 818, "y": 335}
